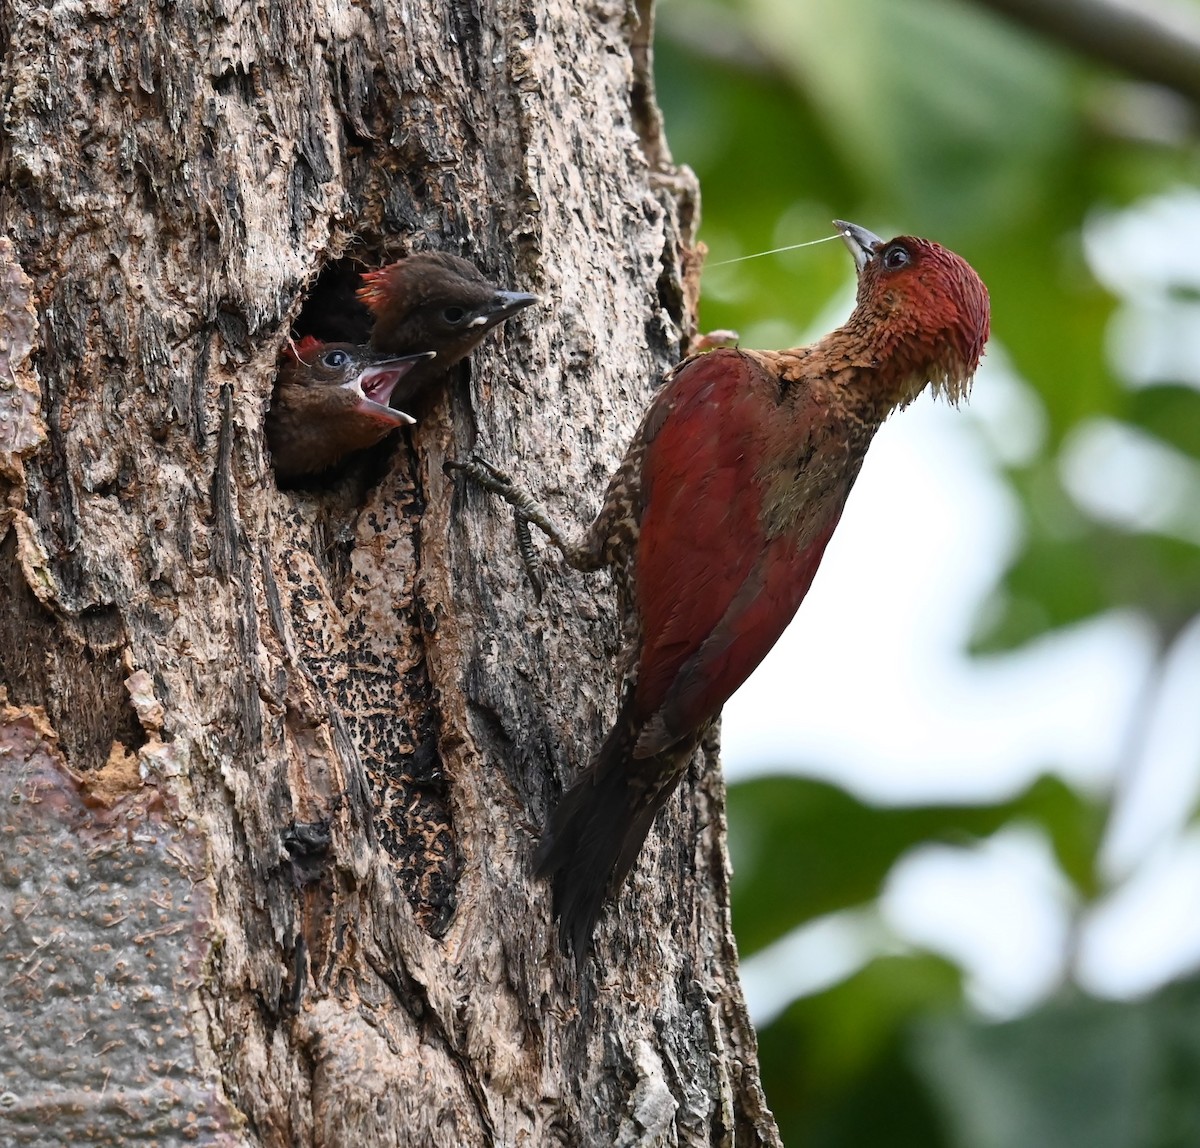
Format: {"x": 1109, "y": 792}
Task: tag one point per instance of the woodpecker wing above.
{"x": 709, "y": 621}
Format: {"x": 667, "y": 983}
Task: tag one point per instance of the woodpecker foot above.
{"x": 525, "y": 511}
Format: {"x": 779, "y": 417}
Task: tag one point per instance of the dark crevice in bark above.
{"x": 530, "y": 756}
{"x": 315, "y": 946}
{"x": 271, "y": 592}
{"x": 225, "y": 526}
{"x": 191, "y": 407}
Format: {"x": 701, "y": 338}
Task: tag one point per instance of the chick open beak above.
{"x": 374, "y": 386}
{"x": 862, "y": 243}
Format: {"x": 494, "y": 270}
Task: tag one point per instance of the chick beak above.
{"x": 862, "y": 243}
{"x": 503, "y": 305}
{"x": 374, "y": 386}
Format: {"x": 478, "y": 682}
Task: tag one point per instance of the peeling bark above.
{"x": 272, "y": 762}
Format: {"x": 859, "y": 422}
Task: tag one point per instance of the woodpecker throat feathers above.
{"x": 920, "y": 308}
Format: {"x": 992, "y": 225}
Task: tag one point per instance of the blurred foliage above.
{"x": 836, "y": 1067}
{"x": 937, "y": 117}
{"x": 1078, "y": 1071}
{"x": 786, "y": 825}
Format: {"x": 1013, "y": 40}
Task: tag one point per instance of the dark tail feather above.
{"x": 596, "y": 831}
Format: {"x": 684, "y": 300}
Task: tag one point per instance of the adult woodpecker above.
{"x": 331, "y": 399}
{"x": 716, "y": 521}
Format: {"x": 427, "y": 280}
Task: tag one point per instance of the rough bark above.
{"x": 272, "y": 762}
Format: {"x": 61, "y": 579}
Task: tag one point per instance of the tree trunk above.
{"x": 273, "y": 762}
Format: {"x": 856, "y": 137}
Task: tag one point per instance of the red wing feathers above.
{"x": 701, "y": 533}
{"x": 756, "y": 616}
{"x": 708, "y": 621}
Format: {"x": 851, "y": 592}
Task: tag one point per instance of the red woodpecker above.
{"x": 716, "y": 521}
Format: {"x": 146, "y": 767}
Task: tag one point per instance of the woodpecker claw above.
{"x": 476, "y": 463}
{"x": 529, "y": 556}
{"x": 525, "y": 512}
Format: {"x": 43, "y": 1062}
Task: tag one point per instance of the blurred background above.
{"x": 964, "y": 787}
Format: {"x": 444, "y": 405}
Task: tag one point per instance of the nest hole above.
{"x": 331, "y": 311}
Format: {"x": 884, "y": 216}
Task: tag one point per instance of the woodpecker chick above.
{"x": 331, "y": 399}
{"x": 714, "y": 526}
{"x": 433, "y": 301}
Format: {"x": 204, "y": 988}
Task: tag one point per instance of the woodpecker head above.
{"x": 331, "y": 399}
{"x": 921, "y": 306}
{"x": 436, "y": 300}
{"x": 340, "y": 379}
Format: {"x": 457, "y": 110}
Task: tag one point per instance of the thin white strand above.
{"x": 777, "y": 250}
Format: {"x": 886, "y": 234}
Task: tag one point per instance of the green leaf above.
{"x": 834, "y": 1065}
{"x": 1057, "y": 581}
{"x": 1074, "y": 1074}
{"x": 953, "y": 143}
{"x": 1080, "y": 1072}
{"x": 1052, "y": 317}
{"x": 804, "y": 848}
{"x": 1075, "y": 826}
{"x": 1104, "y": 1074}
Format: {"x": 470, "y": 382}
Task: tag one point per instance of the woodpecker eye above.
{"x": 895, "y": 257}
{"x": 335, "y": 359}
{"x": 454, "y": 315}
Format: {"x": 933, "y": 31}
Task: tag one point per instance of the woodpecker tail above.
{"x": 596, "y": 831}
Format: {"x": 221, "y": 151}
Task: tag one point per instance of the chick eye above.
{"x": 335, "y": 359}
{"x": 896, "y": 257}
{"x": 454, "y": 315}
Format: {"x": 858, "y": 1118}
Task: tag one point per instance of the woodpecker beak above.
{"x": 503, "y": 304}
{"x": 374, "y": 386}
{"x": 862, "y": 243}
